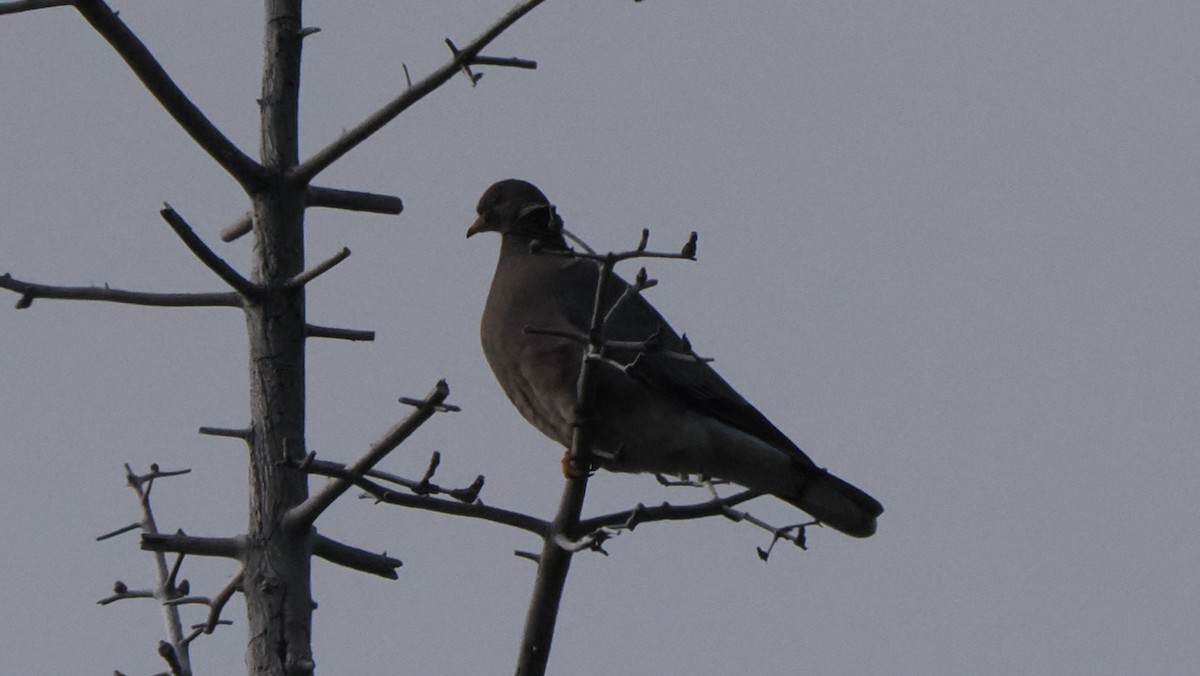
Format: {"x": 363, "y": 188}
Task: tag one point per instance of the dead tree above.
{"x": 276, "y": 551}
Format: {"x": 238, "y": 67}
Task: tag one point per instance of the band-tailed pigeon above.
{"x": 654, "y": 412}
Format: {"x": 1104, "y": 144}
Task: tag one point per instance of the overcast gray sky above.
{"x": 951, "y": 248}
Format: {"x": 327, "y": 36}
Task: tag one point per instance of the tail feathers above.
{"x": 836, "y": 503}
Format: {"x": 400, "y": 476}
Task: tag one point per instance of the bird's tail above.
{"x": 836, "y": 503}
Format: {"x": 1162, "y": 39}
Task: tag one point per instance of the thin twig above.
{"x": 462, "y": 505}
{"x": 122, "y": 593}
{"x": 504, "y": 62}
{"x": 336, "y": 469}
{"x": 302, "y": 516}
{"x": 630, "y": 518}
{"x": 501, "y": 61}
{"x": 419, "y": 90}
{"x": 218, "y": 602}
{"x": 122, "y": 529}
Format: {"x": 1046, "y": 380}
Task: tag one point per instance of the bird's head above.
{"x": 516, "y": 207}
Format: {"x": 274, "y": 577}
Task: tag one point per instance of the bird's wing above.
{"x": 691, "y": 381}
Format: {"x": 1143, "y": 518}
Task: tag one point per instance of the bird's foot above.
{"x": 571, "y": 470}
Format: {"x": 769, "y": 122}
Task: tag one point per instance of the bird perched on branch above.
{"x": 657, "y": 409}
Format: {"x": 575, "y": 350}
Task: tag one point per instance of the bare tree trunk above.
{"x": 277, "y": 565}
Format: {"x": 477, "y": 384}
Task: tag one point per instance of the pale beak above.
{"x": 480, "y": 225}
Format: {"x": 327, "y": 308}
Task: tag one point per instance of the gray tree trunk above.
{"x": 277, "y": 565}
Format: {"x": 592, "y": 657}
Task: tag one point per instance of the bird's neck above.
{"x": 523, "y": 243}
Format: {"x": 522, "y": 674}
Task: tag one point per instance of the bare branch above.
{"x": 30, "y": 291}
{"x": 567, "y": 533}
{"x": 355, "y": 558}
{"x": 418, "y": 403}
{"x": 123, "y": 529}
{"x": 554, "y": 562}
{"x": 351, "y": 138}
{"x": 243, "y": 433}
{"x": 230, "y": 548}
{"x": 29, "y": 5}
{"x": 354, "y": 200}
{"x": 687, "y": 252}
{"x": 474, "y": 510}
{"x": 578, "y": 241}
{"x": 166, "y": 589}
{"x": 224, "y": 270}
{"x": 332, "y": 198}
{"x": 532, "y": 556}
{"x": 798, "y": 537}
{"x": 314, "y": 331}
{"x": 121, "y": 593}
{"x": 336, "y": 469}
{"x": 474, "y": 78}
{"x": 504, "y": 62}
{"x": 303, "y": 515}
{"x": 169, "y": 654}
{"x": 320, "y": 269}
{"x": 464, "y": 503}
{"x": 218, "y": 604}
{"x": 244, "y": 170}
{"x": 189, "y": 601}
{"x": 630, "y": 518}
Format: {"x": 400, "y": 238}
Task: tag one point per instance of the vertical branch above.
{"x": 277, "y": 565}
{"x": 164, "y": 590}
{"x": 555, "y": 560}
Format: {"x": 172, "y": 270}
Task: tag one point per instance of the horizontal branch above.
{"x": 314, "y": 331}
{"x": 630, "y": 518}
{"x": 230, "y": 548}
{"x": 473, "y": 77}
{"x": 354, "y": 200}
{"x": 504, "y": 62}
{"x": 243, "y": 433}
{"x": 686, "y": 252}
{"x": 244, "y": 170}
{"x": 419, "y": 90}
{"x": 355, "y": 558}
{"x": 123, "y": 593}
{"x": 30, "y": 291}
{"x": 30, "y": 5}
{"x": 332, "y": 198}
{"x": 474, "y": 510}
{"x": 460, "y": 506}
{"x": 302, "y": 516}
{"x": 423, "y": 487}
